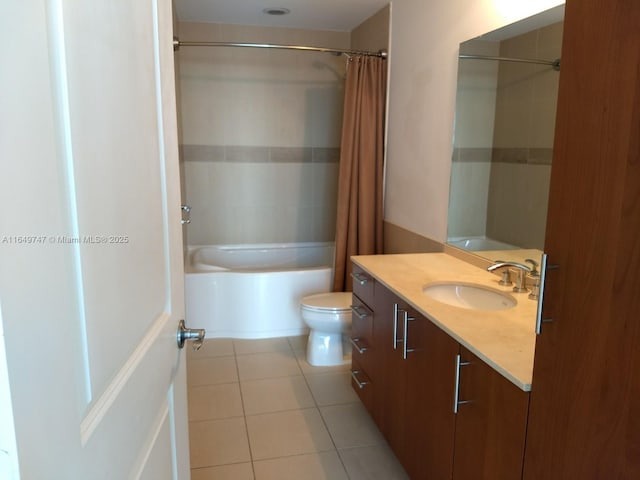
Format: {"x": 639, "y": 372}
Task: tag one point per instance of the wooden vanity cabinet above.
{"x": 417, "y": 387}
{"x": 411, "y": 396}
{"x": 491, "y": 423}
{"x": 363, "y": 350}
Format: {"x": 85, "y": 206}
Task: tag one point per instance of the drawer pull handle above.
{"x": 360, "y": 312}
{"x": 456, "y": 395}
{"x": 360, "y": 349}
{"x": 360, "y": 384}
{"x": 360, "y": 278}
{"x": 405, "y": 341}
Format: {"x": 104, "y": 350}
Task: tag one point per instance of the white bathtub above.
{"x": 253, "y": 291}
{"x": 479, "y": 243}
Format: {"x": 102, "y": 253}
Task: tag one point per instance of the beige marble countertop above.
{"x": 504, "y": 339}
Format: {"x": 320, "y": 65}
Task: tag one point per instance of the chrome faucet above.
{"x": 521, "y": 279}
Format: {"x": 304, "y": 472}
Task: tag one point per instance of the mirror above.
{"x": 503, "y": 139}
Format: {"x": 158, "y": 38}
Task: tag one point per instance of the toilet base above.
{"x": 326, "y": 349}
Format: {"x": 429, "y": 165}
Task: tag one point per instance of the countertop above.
{"x": 504, "y": 339}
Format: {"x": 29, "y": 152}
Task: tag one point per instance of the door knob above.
{"x": 195, "y": 334}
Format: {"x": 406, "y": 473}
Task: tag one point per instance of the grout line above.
{"x": 244, "y": 414}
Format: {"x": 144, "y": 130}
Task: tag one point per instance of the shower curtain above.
{"x": 360, "y": 195}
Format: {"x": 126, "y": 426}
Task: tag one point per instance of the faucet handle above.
{"x": 534, "y": 267}
{"x": 506, "y": 276}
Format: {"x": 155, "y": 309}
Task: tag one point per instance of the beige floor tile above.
{"x": 372, "y": 463}
{"x": 211, "y": 371}
{"x": 275, "y": 395}
{"x": 267, "y": 365}
{"x": 298, "y": 343}
{"x": 212, "y": 347}
{"x": 308, "y": 369}
{"x": 351, "y": 426}
{"x": 314, "y": 466}
{"x": 237, "y": 471}
{"x": 262, "y": 345}
{"x": 294, "y": 432}
{"x": 218, "y": 442}
{"x": 209, "y": 402}
{"x": 332, "y": 388}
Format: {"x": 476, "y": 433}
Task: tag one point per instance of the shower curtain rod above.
{"x": 177, "y": 43}
{"x": 555, "y": 63}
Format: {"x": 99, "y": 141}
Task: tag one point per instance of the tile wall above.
{"x": 260, "y": 135}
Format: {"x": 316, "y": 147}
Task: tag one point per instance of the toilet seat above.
{"x": 333, "y": 302}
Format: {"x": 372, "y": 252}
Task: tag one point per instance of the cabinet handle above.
{"x": 354, "y": 375}
{"x": 360, "y": 349}
{"x": 357, "y": 310}
{"x": 456, "y": 395}
{"x": 543, "y": 275}
{"x": 360, "y": 278}
{"x": 395, "y": 325}
{"x": 405, "y": 340}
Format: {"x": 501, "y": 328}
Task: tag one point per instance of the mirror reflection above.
{"x": 503, "y": 142}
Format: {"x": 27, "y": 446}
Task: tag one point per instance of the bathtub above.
{"x": 253, "y": 291}
{"x": 479, "y": 243}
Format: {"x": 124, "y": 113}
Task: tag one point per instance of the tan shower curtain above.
{"x": 359, "y": 215}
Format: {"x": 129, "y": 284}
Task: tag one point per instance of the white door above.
{"x": 91, "y": 279}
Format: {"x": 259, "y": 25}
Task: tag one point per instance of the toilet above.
{"x": 328, "y": 316}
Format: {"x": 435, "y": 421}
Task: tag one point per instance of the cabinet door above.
{"x": 584, "y": 421}
{"x": 429, "y": 395}
{"x": 490, "y": 424}
{"x": 393, "y": 371}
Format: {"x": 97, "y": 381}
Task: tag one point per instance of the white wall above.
{"x": 425, "y": 36}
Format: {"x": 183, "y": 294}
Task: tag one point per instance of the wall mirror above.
{"x": 503, "y": 138}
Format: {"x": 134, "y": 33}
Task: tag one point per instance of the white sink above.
{"x": 470, "y": 296}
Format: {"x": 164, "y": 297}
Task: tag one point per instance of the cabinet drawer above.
{"x": 361, "y": 333}
{"x": 362, "y": 284}
{"x": 363, "y": 385}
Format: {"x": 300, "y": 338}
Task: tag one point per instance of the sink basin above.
{"x": 470, "y": 296}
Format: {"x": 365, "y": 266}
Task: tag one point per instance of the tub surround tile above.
{"x": 326, "y": 155}
{"x": 236, "y": 471}
{"x": 209, "y": 402}
{"x": 202, "y": 153}
{"x": 237, "y": 153}
{"x": 275, "y": 395}
{"x": 290, "y": 154}
{"x": 312, "y": 466}
{"x": 294, "y": 432}
{"x": 258, "y": 366}
{"x": 258, "y": 154}
{"x": 218, "y": 442}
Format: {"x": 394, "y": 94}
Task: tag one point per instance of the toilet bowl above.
{"x": 328, "y": 316}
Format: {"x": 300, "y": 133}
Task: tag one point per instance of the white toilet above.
{"x": 328, "y": 316}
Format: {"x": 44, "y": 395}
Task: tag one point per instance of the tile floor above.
{"x": 259, "y": 411}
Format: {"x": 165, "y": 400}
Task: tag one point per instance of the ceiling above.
{"x": 338, "y": 15}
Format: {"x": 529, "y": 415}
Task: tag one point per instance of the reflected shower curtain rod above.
{"x": 177, "y": 43}
{"x": 555, "y": 63}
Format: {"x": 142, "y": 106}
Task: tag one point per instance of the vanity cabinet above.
{"x": 491, "y": 423}
{"x": 363, "y": 347}
{"x": 412, "y": 366}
